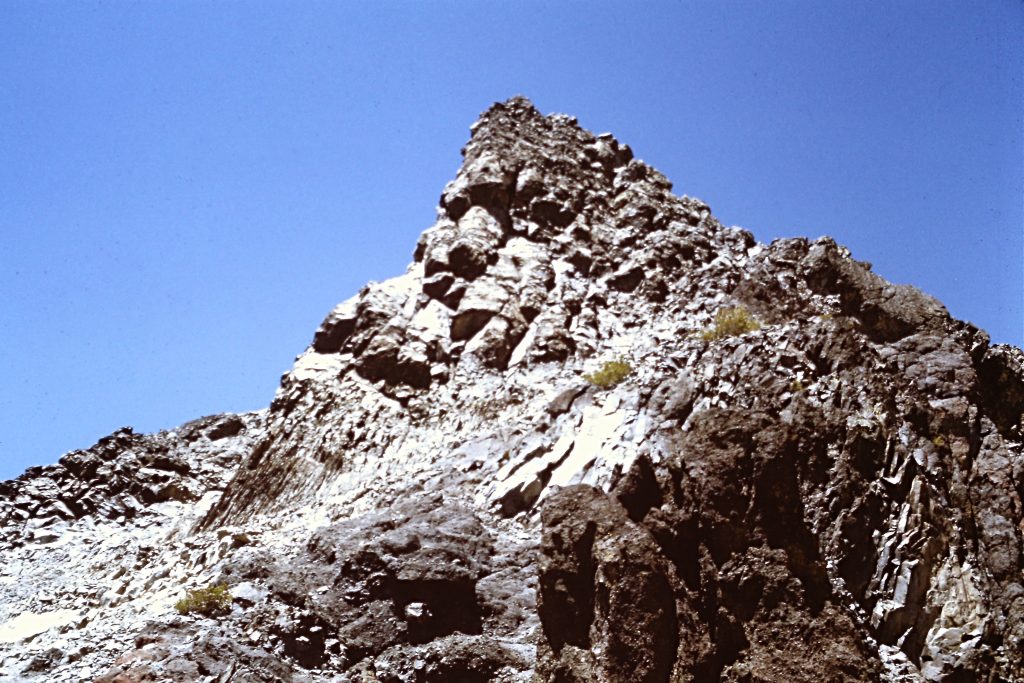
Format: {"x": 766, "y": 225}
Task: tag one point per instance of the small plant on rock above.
{"x": 731, "y": 322}
{"x": 208, "y": 601}
{"x": 610, "y": 374}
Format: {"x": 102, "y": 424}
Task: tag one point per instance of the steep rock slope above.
{"x": 438, "y": 494}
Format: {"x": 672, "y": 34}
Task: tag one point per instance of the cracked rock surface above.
{"x": 436, "y": 492}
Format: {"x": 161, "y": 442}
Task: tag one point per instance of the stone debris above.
{"x": 436, "y": 492}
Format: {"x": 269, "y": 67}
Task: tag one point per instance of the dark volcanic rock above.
{"x": 421, "y": 587}
{"x": 606, "y": 594}
{"x": 405, "y": 575}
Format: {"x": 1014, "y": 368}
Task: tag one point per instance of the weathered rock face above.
{"x": 437, "y": 494}
{"x": 92, "y": 544}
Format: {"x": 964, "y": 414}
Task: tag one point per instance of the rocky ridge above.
{"x": 437, "y": 494}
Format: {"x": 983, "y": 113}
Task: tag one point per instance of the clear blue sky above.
{"x": 186, "y": 188}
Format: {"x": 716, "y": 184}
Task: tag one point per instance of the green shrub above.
{"x": 610, "y": 374}
{"x": 206, "y": 601}
{"x": 731, "y": 322}
{"x": 796, "y": 386}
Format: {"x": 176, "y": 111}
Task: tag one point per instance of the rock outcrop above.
{"x": 438, "y": 493}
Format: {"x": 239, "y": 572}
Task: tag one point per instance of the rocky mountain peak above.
{"x": 590, "y": 434}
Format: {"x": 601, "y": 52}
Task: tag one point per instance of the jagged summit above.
{"x": 590, "y": 434}
{"x": 552, "y": 246}
{"x": 543, "y": 222}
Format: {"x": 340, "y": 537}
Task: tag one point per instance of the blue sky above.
{"x": 187, "y": 188}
